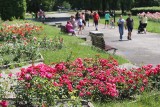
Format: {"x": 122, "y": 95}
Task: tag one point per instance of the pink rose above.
{"x": 4, "y": 103}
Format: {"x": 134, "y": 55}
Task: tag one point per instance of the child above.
{"x": 80, "y": 25}
{"x": 112, "y": 25}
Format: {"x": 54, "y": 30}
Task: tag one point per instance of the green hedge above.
{"x": 135, "y": 11}
{"x": 10, "y": 9}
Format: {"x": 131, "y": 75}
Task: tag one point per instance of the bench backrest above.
{"x": 98, "y": 41}
{"x": 63, "y": 28}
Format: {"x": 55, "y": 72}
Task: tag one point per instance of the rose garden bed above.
{"x": 19, "y": 46}
{"x": 88, "y": 79}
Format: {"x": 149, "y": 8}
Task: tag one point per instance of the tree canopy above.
{"x": 35, "y": 5}
{"x": 16, "y": 8}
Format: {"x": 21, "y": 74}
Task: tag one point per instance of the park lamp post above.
{"x": 114, "y": 13}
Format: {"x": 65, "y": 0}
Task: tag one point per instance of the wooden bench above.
{"x": 98, "y": 41}
{"x": 58, "y": 24}
{"x": 63, "y": 29}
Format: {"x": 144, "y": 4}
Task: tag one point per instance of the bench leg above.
{"x": 114, "y": 51}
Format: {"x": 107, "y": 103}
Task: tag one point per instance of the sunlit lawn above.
{"x": 73, "y": 47}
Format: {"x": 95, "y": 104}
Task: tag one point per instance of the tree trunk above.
{"x": 103, "y": 5}
{"x": 122, "y": 7}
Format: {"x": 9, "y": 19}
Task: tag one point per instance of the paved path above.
{"x": 141, "y": 50}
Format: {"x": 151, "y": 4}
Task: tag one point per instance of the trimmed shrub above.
{"x": 10, "y": 9}
{"x": 135, "y": 11}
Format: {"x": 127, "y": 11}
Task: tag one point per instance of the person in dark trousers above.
{"x": 129, "y": 26}
{"x": 87, "y": 15}
{"x": 96, "y": 18}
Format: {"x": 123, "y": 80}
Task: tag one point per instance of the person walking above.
{"x": 107, "y": 19}
{"x": 77, "y": 16}
{"x": 83, "y": 20}
{"x": 87, "y": 15}
{"x": 80, "y": 25}
{"x": 144, "y": 22}
{"x": 120, "y": 23}
{"x": 96, "y": 18}
{"x": 129, "y": 26}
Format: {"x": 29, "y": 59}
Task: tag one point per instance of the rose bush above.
{"x": 94, "y": 79}
{"x": 27, "y": 50}
{"x": 18, "y": 31}
{"x": 7, "y": 81}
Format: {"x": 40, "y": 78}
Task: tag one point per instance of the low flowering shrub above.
{"x": 154, "y": 76}
{"x": 18, "y": 31}
{"x": 95, "y": 79}
{"x": 7, "y": 81}
{"x": 27, "y": 50}
{"x": 3, "y": 103}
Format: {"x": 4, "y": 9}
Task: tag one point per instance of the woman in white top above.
{"x": 144, "y": 22}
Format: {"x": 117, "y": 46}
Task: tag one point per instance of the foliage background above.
{"x": 10, "y": 9}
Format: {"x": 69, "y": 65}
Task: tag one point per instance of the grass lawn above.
{"x": 151, "y": 26}
{"x": 73, "y": 47}
{"x": 144, "y": 100}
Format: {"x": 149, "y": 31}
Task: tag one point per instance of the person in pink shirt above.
{"x": 69, "y": 28}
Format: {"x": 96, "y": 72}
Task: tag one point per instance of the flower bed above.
{"x": 20, "y": 47}
{"x": 13, "y": 54}
{"x": 90, "y": 79}
{"x": 18, "y": 31}
{"x": 152, "y": 16}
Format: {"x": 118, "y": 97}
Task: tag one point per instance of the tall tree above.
{"x": 10, "y": 9}
{"x": 146, "y": 3}
{"x": 103, "y": 5}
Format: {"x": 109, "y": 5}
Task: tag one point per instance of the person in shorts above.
{"x": 107, "y": 18}
{"x": 80, "y": 25}
{"x": 129, "y": 26}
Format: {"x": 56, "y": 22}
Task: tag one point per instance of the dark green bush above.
{"x": 11, "y": 9}
{"x": 135, "y": 11}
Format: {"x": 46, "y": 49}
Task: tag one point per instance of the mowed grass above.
{"x": 151, "y": 26}
{"x": 144, "y": 100}
{"x": 73, "y": 47}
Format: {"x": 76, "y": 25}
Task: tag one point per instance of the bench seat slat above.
{"x": 98, "y": 41}
{"x": 107, "y": 48}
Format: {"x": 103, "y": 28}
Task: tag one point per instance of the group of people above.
{"x": 41, "y": 14}
{"x": 80, "y": 20}
{"x": 128, "y": 24}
